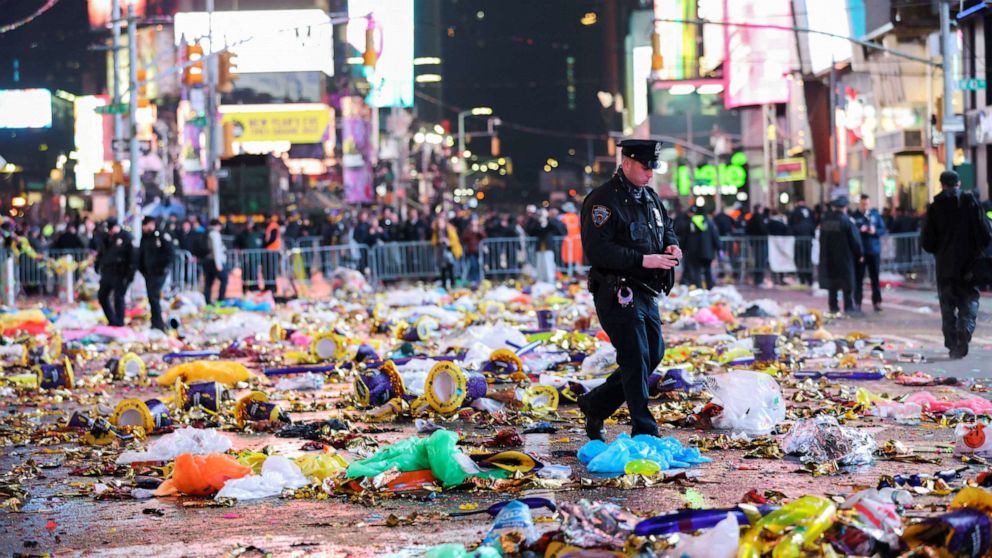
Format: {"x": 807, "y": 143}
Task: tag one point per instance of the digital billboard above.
{"x": 265, "y": 40}
{"x": 294, "y": 123}
{"x": 25, "y": 108}
{"x": 758, "y": 58}
{"x": 99, "y": 11}
{"x": 89, "y": 138}
{"x": 392, "y": 78}
{"x": 832, "y": 18}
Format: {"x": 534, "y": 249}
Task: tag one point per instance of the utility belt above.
{"x": 623, "y": 286}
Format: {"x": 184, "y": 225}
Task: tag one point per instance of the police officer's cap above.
{"x": 646, "y": 152}
{"x": 147, "y": 220}
{"x": 111, "y": 222}
{"x": 840, "y": 201}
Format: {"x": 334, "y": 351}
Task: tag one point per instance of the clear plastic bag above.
{"x": 752, "y": 402}
{"x": 822, "y": 439}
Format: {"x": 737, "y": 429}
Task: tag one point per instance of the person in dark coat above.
{"x": 840, "y": 249}
{"x": 871, "y": 227}
{"x": 116, "y": 262}
{"x": 701, "y": 244}
{"x": 956, "y": 231}
{"x": 802, "y": 225}
{"x": 155, "y": 255}
{"x": 69, "y": 240}
{"x": 756, "y": 231}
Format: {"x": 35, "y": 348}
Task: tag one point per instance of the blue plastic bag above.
{"x": 598, "y": 457}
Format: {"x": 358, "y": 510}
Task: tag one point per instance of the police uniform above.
{"x": 115, "y": 260}
{"x": 155, "y": 255}
{"x": 621, "y": 223}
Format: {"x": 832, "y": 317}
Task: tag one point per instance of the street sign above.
{"x": 954, "y": 124}
{"x": 119, "y": 108}
{"x": 972, "y": 84}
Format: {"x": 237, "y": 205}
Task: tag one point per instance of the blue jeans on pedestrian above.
{"x": 474, "y": 269}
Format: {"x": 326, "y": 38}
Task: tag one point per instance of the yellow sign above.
{"x": 790, "y": 170}
{"x": 298, "y": 123}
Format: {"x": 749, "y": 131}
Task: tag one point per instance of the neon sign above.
{"x": 727, "y": 178}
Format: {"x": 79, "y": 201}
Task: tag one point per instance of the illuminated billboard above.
{"x": 295, "y": 123}
{"x": 25, "y": 108}
{"x": 829, "y": 17}
{"x": 392, "y": 78}
{"x": 100, "y": 10}
{"x": 89, "y": 138}
{"x": 758, "y": 58}
{"x": 265, "y": 41}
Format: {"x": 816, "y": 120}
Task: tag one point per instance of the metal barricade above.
{"x": 304, "y": 242}
{"x": 259, "y": 267}
{"x": 507, "y": 257}
{"x": 185, "y": 272}
{"x": 902, "y": 253}
{"x": 402, "y": 260}
{"x": 79, "y": 257}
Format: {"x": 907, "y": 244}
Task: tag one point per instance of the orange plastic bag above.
{"x": 201, "y": 475}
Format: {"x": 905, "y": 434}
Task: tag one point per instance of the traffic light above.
{"x": 142, "y": 88}
{"x": 193, "y": 74}
{"x": 370, "y": 56}
{"x": 494, "y": 146}
{"x": 228, "y": 140}
{"x": 227, "y": 72}
{"x": 657, "y": 61}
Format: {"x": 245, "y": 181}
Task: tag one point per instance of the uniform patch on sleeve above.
{"x": 600, "y": 214}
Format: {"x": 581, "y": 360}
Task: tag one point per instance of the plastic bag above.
{"x": 752, "y": 402}
{"x": 596, "y": 524}
{"x": 822, "y": 439}
{"x": 719, "y": 542}
{"x": 201, "y": 475}
{"x": 668, "y": 453}
{"x": 301, "y": 382}
{"x": 437, "y": 453}
{"x": 971, "y": 439}
{"x": 319, "y": 466}
{"x": 278, "y": 473}
{"x": 977, "y": 405}
{"x": 221, "y": 371}
{"x": 185, "y": 440}
{"x": 514, "y": 518}
{"x": 458, "y": 551}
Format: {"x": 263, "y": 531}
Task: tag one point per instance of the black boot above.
{"x": 594, "y": 426}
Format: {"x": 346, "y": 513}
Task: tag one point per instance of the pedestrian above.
{"x": 248, "y": 243}
{"x": 802, "y": 225}
{"x": 471, "y": 240}
{"x": 544, "y": 230}
{"x": 956, "y": 231}
{"x": 215, "y": 264}
{"x": 68, "y": 240}
{"x": 155, "y": 255}
{"x": 702, "y": 245}
{"x": 447, "y": 249}
{"x": 416, "y": 229}
{"x": 871, "y": 227}
{"x": 632, "y": 248}
{"x": 756, "y": 230}
{"x": 272, "y": 242}
{"x": 115, "y": 261}
{"x": 840, "y": 249}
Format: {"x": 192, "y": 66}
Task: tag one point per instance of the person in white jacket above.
{"x": 215, "y": 264}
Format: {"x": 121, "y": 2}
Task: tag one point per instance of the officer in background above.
{"x": 155, "y": 255}
{"x": 871, "y": 227}
{"x": 115, "y": 261}
{"x": 629, "y": 241}
{"x": 840, "y": 251}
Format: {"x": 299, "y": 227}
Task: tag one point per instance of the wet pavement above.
{"x": 62, "y": 517}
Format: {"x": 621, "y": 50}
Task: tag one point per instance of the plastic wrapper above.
{"x": 186, "y": 440}
{"x": 236, "y": 326}
{"x": 752, "y": 402}
{"x": 977, "y": 405}
{"x": 596, "y": 524}
{"x": 600, "y": 363}
{"x": 201, "y": 475}
{"x": 719, "y": 542}
{"x": 612, "y": 458}
{"x": 301, "y": 382}
{"x": 278, "y": 473}
{"x": 515, "y": 518}
{"x": 459, "y": 551}
{"x": 823, "y": 439}
{"x": 808, "y": 517}
{"x": 966, "y": 530}
{"x": 221, "y": 371}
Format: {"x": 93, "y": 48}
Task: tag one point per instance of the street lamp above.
{"x": 477, "y": 111}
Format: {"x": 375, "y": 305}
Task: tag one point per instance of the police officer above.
{"x": 155, "y": 256}
{"x": 115, "y": 260}
{"x": 629, "y": 241}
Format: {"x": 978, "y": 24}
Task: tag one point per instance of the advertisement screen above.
{"x": 89, "y": 139}
{"x": 832, "y": 18}
{"x": 265, "y": 40}
{"x": 25, "y": 108}
{"x": 758, "y": 58}
{"x": 392, "y": 77}
{"x": 100, "y": 11}
{"x": 302, "y": 123}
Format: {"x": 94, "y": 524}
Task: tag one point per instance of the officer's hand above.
{"x": 674, "y": 250}
{"x": 659, "y": 261}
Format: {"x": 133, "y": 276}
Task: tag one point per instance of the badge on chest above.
{"x": 657, "y": 217}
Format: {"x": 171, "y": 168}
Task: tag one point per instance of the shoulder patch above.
{"x": 600, "y": 214}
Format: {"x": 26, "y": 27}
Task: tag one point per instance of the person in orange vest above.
{"x": 272, "y": 242}
{"x": 571, "y": 251}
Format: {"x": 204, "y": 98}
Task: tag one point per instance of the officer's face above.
{"x": 636, "y": 172}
